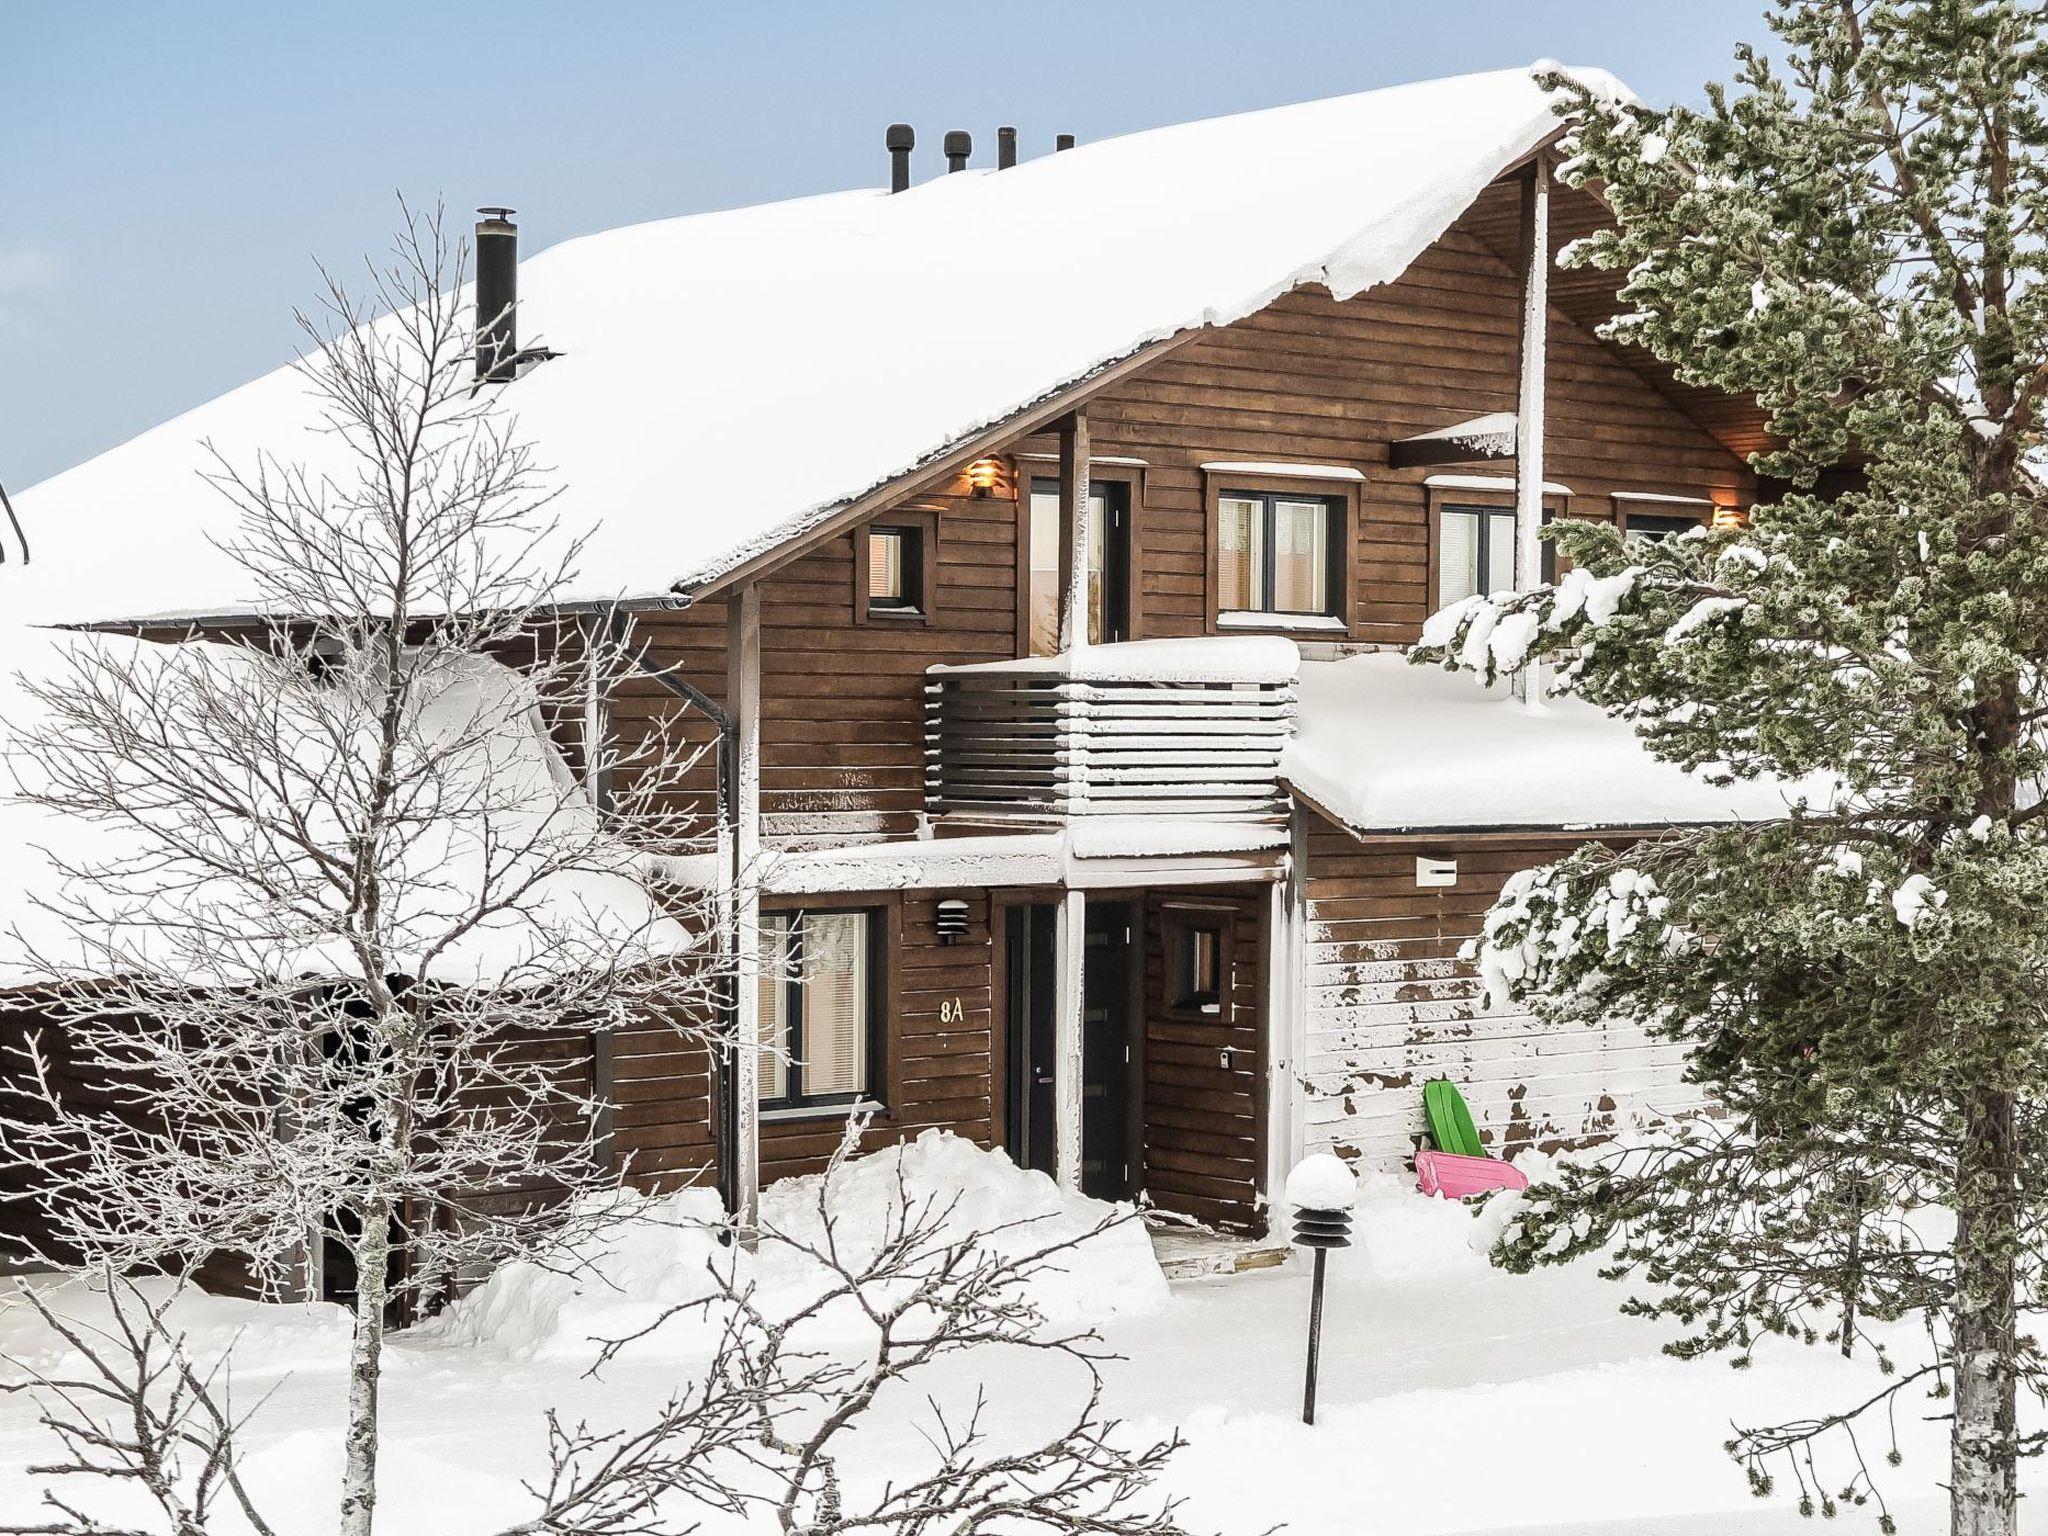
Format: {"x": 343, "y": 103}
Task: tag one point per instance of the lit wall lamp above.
{"x": 1728, "y": 515}
{"x": 952, "y": 920}
{"x": 983, "y": 475}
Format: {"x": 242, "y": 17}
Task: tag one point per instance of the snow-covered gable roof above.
{"x": 729, "y": 380}
{"x": 1388, "y": 747}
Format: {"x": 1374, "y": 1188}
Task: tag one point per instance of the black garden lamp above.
{"x": 1321, "y": 1190}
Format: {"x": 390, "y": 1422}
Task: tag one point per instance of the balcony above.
{"x": 1153, "y": 727}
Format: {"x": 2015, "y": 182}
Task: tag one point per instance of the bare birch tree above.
{"x": 351, "y": 922}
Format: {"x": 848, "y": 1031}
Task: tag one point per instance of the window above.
{"x": 1109, "y": 508}
{"x": 1475, "y": 552}
{"x": 895, "y": 567}
{"x": 1656, "y": 527}
{"x": 818, "y": 1009}
{"x": 1194, "y": 961}
{"x": 1279, "y": 552}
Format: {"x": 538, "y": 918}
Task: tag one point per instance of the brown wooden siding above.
{"x": 1390, "y": 1006}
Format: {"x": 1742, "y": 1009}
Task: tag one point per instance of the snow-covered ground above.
{"x": 1455, "y": 1398}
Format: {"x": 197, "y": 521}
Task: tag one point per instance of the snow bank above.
{"x": 667, "y": 1253}
{"x": 1385, "y": 746}
{"x": 688, "y": 344}
{"x": 1206, "y": 659}
{"x": 266, "y": 1337}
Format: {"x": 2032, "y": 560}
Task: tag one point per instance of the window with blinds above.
{"x": 1475, "y": 552}
{"x": 895, "y": 570}
{"x": 817, "y": 1008}
{"x": 1278, "y": 553}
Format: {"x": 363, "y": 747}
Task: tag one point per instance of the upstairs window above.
{"x": 895, "y": 568}
{"x": 818, "y": 1009}
{"x": 1279, "y": 553}
{"x": 1475, "y": 552}
{"x": 1109, "y": 560}
{"x": 1656, "y": 527}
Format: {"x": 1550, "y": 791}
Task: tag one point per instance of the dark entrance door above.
{"x": 1032, "y": 982}
{"x": 1032, "y": 985}
{"x": 1106, "y": 1052}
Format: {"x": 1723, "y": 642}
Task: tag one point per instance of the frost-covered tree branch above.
{"x": 345, "y": 926}
{"x": 772, "y": 1426}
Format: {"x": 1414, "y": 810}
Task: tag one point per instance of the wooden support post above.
{"x": 1074, "y": 531}
{"x": 1286, "y": 1014}
{"x": 1530, "y": 682}
{"x": 1070, "y": 944}
{"x": 743, "y": 702}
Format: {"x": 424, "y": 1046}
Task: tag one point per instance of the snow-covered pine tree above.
{"x": 1854, "y": 235}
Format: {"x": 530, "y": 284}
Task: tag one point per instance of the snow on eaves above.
{"x": 1387, "y": 747}
{"x": 728, "y": 380}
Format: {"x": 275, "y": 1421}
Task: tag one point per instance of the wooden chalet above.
{"x": 1040, "y": 535}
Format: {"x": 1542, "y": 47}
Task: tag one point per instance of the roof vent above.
{"x": 959, "y": 145}
{"x": 1063, "y": 141}
{"x": 497, "y": 296}
{"x": 1006, "y": 148}
{"x": 901, "y": 140}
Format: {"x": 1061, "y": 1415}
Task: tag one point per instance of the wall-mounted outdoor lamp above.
{"x": 952, "y": 920}
{"x": 983, "y": 475}
{"x": 1321, "y": 1189}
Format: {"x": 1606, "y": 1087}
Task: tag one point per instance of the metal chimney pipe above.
{"x": 901, "y": 140}
{"x": 959, "y": 145}
{"x": 1062, "y": 141}
{"x": 497, "y": 296}
{"x": 1006, "y": 148}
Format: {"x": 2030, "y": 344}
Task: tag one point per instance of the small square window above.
{"x": 1195, "y": 968}
{"x": 895, "y": 566}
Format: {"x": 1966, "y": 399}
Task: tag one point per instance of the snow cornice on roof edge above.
{"x": 736, "y": 383}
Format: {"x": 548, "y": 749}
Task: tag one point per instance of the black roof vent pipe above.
{"x": 901, "y": 140}
{"x": 959, "y": 145}
{"x": 497, "y": 296}
{"x": 1063, "y": 141}
{"x": 1006, "y": 148}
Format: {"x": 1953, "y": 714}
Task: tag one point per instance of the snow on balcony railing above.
{"x": 1166, "y": 727}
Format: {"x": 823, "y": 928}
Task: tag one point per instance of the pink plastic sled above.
{"x": 1455, "y": 1177}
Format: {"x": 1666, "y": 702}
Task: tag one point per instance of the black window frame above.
{"x": 1184, "y": 994}
{"x": 1335, "y": 556}
{"x": 1487, "y": 511}
{"x": 911, "y": 566}
{"x": 1656, "y": 527}
{"x": 1116, "y": 547}
{"x": 794, "y": 1099}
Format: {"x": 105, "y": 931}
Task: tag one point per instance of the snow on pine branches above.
{"x": 1845, "y": 235}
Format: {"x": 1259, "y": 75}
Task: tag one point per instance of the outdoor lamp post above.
{"x": 1321, "y": 1189}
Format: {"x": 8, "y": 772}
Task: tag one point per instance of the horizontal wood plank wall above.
{"x": 842, "y": 702}
{"x": 937, "y": 1069}
{"x": 1390, "y": 1006}
{"x": 1202, "y": 1134}
{"x": 1310, "y": 380}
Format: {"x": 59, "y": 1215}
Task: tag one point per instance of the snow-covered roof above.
{"x": 728, "y": 380}
{"x": 1388, "y": 747}
{"x": 502, "y": 782}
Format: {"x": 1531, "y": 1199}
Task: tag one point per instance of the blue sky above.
{"x": 169, "y": 172}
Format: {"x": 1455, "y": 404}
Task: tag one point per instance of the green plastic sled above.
{"x": 1450, "y": 1122}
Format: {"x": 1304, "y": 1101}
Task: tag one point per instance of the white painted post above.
{"x": 1074, "y": 531}
{"x": 1287, "y": 1017}
{"x": 1070, "y": 943}
{"x": 1531, "y": 681}
{"x": 743, "y": 703}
